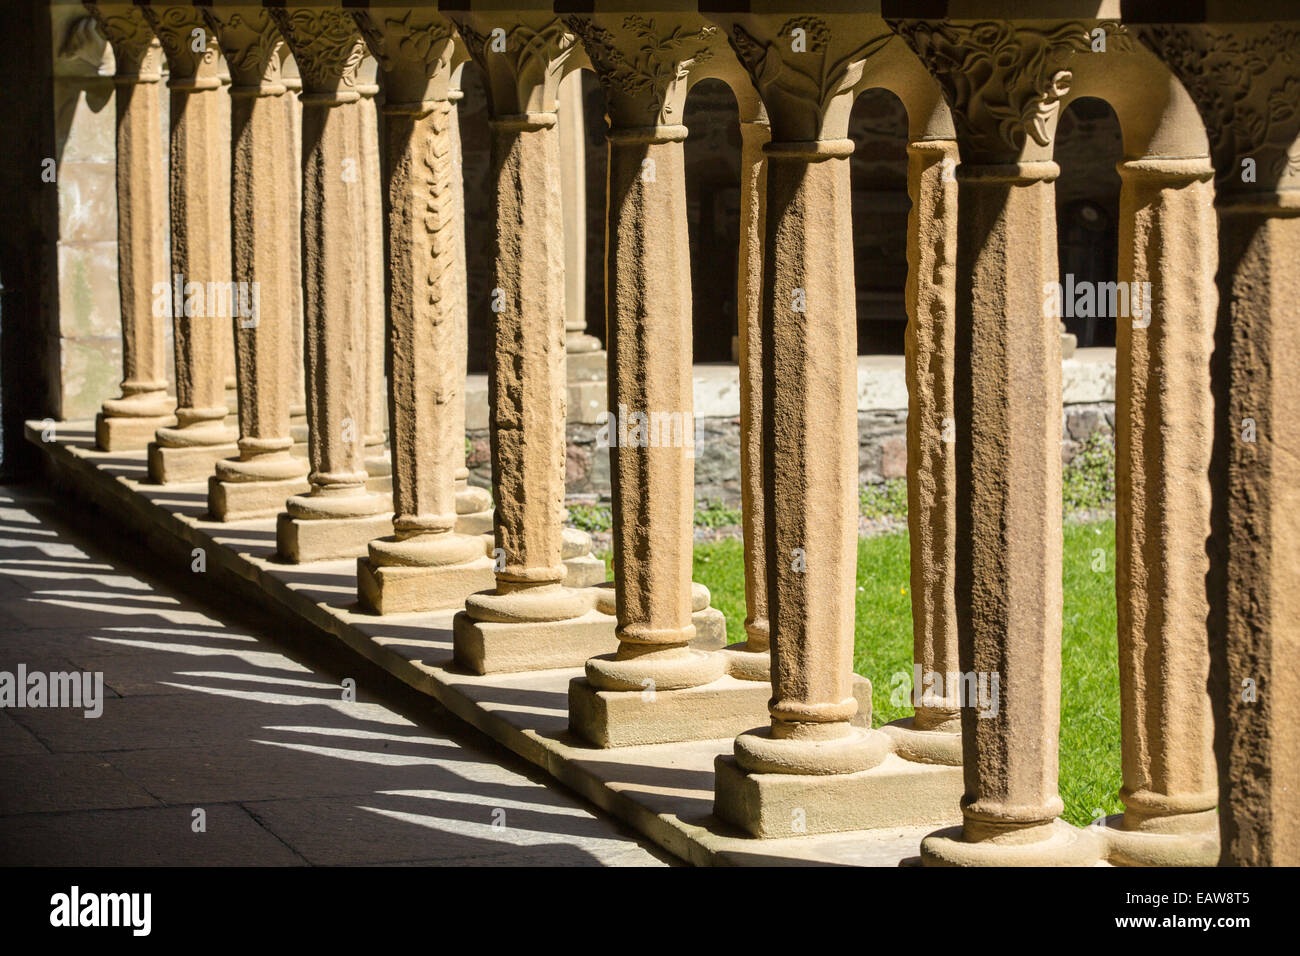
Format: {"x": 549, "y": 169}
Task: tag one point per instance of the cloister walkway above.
{"x": 202, "y": 714}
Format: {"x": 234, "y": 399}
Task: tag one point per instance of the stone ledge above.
{"x": 665, "y": 791}
{"x": 1086, "y": 378}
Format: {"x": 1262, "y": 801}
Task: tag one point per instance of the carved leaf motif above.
{"x": 531, "y": 55}
{"x": 175, "y": 28}
{"x": 657, "y": 62}
{"x": 1004, "y": 81}
{"x": 1246, "y": 115}
{"x": 251, "y": 44}
{"x": 404, "y": 40}
{"x": 326, "y": 45}
{"x": 808, "y": 79}
{"x": 128, "y": 32}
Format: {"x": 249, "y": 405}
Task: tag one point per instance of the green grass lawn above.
{"x": 1089, "y": 775}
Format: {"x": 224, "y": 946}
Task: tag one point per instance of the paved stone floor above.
{"x": 202, "y": 713}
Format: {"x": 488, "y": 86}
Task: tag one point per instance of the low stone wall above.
{"x": 1088, "y": 393}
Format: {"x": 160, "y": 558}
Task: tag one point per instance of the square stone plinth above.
{"x": 583, "y": 571}
{"x": 399, "y": 590}
{"x": 628, "y": 718}
{"x": 897, "y": 793}
{"x": 478, "y": 522}
{"x": 710, "y": 629}
{"x": 586, "y": 366}
{"x": 485, "y": 647}
{"x": 300, "y": 540}
{"x": 168, "y": 466}
{"x": 237, "y": 500}
{"x": 128, "y": 434}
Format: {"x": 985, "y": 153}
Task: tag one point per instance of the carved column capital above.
{"x": 644, "y": 62}
{"x": 136, "y": 50}
{"x": 328, "y": 48}
{"x": 523, "y": 57}
{"x": 806, "y": 68}
{"x": 415, "y": 50}
{"x": 1245, "y": 81}
{"x": 190, "y": 47}
{"x": 252, "y": 46}
{"x": 1003, "y": 80}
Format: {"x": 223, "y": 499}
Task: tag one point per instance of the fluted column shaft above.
{"x": 1163, "y": 417}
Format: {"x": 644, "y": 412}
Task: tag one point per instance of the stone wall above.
{"x": 1088, "y": 406}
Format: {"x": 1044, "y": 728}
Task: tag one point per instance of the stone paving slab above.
{"x": 663, "y": 791}
{"x": 156, "y": 836}
{"x": 199, "y": 714}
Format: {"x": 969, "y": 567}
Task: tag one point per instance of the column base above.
{"x": 492, "y": 647}
{"x": 721, "y": 708}
{"x": 300, "y": 540}
{"x": 380, "y": 471}
{"x": 298, "y": 432}
{"x": 744, "y": 664}
{"x": 587, "y": 366}
{"x": 473, "y": 510}
{"x": 894, "y": 793}
{"x": 1148, "y": 848}
{"x": 388, "y": 589}
{"x": 128, "y": 433}
{"x": 924, "y": 746}
{"x": 170, "y": 465}
{"x": 238, "y": 500}
{"x": 1061, "y": 845}
{"x": 710, "y": 623}
{"x": 583, "y": 570}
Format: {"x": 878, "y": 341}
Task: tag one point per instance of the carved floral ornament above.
{"x": 180, "y": 30}
{"x": 798, "y": 74}
{"x": 642, "y": 63}
{"x": 1247, "y": 89}
{"x": 250, "y": 42}
{"x": 326, "y": 45}
{"x": 417, "y": 38}
{"x": 133, "y": 42}
{"x": 1004, "y": 81}
{"x": 520, "y": 57}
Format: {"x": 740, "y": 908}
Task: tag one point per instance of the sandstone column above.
{"x": 531, "y": 620}
{"x": 585, "y": 360}
{"x": 129, "y": 422}
{"x": 933, "y": 734}
{"x": 426, "y": 564}
{"x": 1243, "y": 78}
{"x": 263, "y": 233}
{"x": 1007, "y": 410}
{"x": 200, "y": 250}
{"x": 751, "y": 660}
{"x": 292, "y": 105}
{"x": 809, "y": 769}
{"x": 1164, "y": 411}
{"x": 643, "y": 65}
{"x": 338, "y": 517}
{"x": 473, "y": 504}
{"x": 378, "y": 466}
